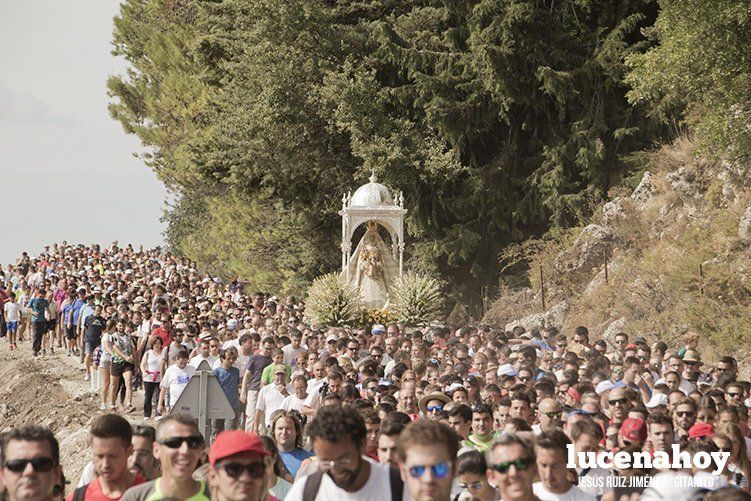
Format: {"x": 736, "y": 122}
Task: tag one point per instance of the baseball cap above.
{"x": 378, "y": 329}
{"x": 331, "y": 337}
{"x": 634, "y": 429}
{"x": 656, "y": 400}
{"x": 279, "y": 368}
{"x": 701, "y": 430}
{"x": 506, "y": 370}
{"x": 604, "y": 386}
{"x": 229, "y": 443}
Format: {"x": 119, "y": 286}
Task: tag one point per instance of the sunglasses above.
{"x": 435, "y": 408}
{"x": 684, "y": 413}
{"x": 194, "y": 442}
{"x": 520, "y": 464}
{"x": 553, "y": 414}
{"x": 235, "y": 470}
{"x": 470, "y": 487}
{"x": 328, "y": 465}
{"x": 622, "y": 401}
{"x": 40, "y": 465}
{"x": 733, "y": 395}
{"x": 440, "y": 470}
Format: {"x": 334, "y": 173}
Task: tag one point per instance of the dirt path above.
{"x": 50, "y": 391}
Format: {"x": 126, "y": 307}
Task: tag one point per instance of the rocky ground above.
{"x": 50, "y": 391}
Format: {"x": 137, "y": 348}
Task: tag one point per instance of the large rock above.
{"x": 613, "y": 211}
{"x": 744, "y": 228}
{"x": 644, "y": 191}
{"x": 555, "y": 317}
{"x": 589, "y": 250}
{"x": 681, "y": 180}
{"x": 614, "y": 328}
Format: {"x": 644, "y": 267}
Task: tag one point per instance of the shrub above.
{"x": 332, "y": 302}
{"x": 416, "y": 299}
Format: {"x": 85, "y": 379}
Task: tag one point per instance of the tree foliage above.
{"x": 496, "y": 118}
{"x": 701, "y": 64}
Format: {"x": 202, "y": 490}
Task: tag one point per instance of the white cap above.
{"x": 506, "y": 370}
{"x": 604, "y": 386}
{"x": 657, "y": 399}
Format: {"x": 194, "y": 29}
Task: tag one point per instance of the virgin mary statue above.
{"x": 374, "y": 268}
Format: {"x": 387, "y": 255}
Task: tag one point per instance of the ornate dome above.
{"x": 372, "y": 194}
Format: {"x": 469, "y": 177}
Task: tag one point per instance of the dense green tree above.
{"x": 497, "y": 118}
{"x": 701, "y": 63}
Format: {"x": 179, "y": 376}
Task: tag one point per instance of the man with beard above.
{"x": 427, "y": 459}
{"x": 111, "y": 445}
{"x": 30, "y": 465}
{"x": 142, "y": 460}
{"x": 238, "y": 467}
{"x": 179, "y": 447}
{"x": 684, "y": 416}
{"x": 338, "y": 436}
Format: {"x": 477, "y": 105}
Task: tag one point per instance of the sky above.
{"x": 67, "y": 170}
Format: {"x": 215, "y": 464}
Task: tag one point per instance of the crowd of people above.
{"x": 369, "y": 412}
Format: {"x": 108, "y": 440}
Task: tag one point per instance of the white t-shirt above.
{"x": 377, "y": 488}
{"x": 292, "y": 403}
{"x": 196, "y": 361}
{"x": 176, "y": 379}
{"x": 290, "y": 354}
{"x": 314, "y": 395}
{"x": 12, "y": 312}
{"x": 153, "y": 367}
{"x": 106, "y": 355}
{"x": 573, "y": 494}
{"x": 270, "y": 400}
{"x": 312, "y": 383}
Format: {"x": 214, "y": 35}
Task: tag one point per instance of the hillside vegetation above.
{"x": 677, "y": 253}
{"x": 501, "y": 121}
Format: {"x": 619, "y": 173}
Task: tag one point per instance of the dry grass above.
{"x": 655, "y": 280}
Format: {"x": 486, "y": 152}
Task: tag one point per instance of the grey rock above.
{"x": 614, "y": 328}
{"x": 555, "y": 316}
{"x": 744, "y": 228}
{"x": 591, "y": 248}
{"x": 613, "y": 211}
{"x": 681, "y": 180}
{"x": 644, "y": 191}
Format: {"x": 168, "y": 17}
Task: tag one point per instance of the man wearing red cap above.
{"x": 633, "y": 432}
{"x": 238, "y": 467}
{"x": 700, "y": 431}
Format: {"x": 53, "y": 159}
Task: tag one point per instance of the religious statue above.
{"x": 373, "y": 267}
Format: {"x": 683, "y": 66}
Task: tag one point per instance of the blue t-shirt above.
{"x": 294, "y": 458}
{"x": 77, "y": 305}
{"x": 38, "y": 306}
{"x": 229, "y": 381}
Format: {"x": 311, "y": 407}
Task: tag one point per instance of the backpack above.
{"x": 313, "y": 484}
{"x": 80, "y": 493}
